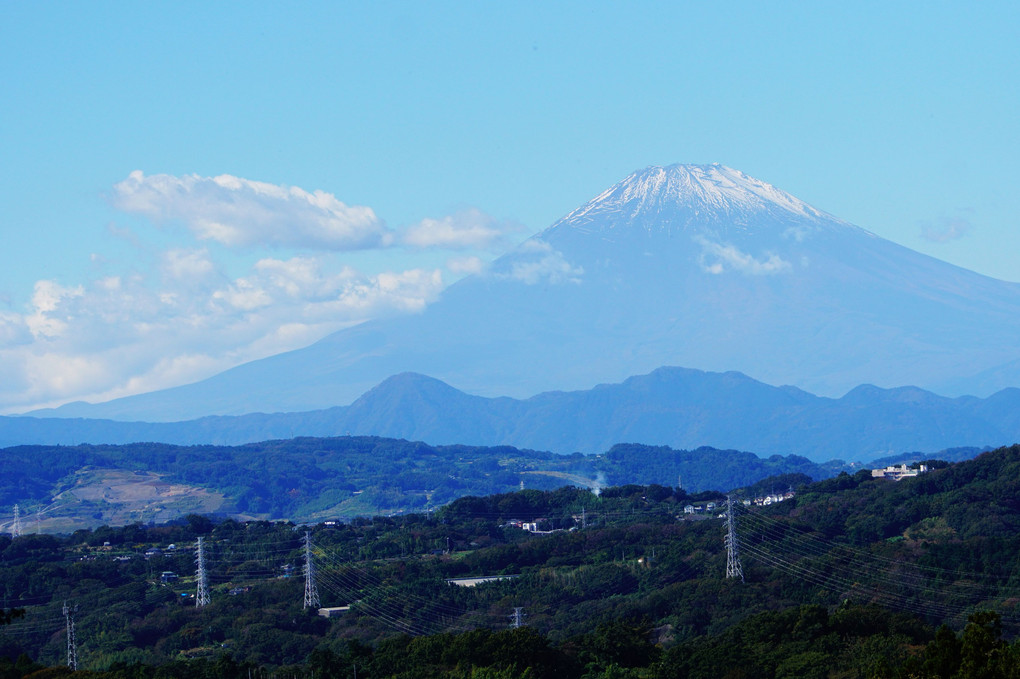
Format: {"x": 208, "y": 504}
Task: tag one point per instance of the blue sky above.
{"x": 373, "y": 152}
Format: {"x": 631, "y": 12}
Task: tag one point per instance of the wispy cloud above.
{"x": 946, "y": 229}
{"x": 14, "y": 330}
{"x": 244, "y": 213}
{"x": 465, "y": 265}
{"x": 536, "y": 261}
{"x": 467, "y": 229}
{"x": 718, "y": 258}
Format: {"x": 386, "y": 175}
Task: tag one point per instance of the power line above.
{"x": 849, "y": 571}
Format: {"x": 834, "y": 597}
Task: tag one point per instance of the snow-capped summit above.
{"x": 679, "y": 198}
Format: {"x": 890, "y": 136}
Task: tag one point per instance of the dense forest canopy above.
{"x": 851, "y": 577}
{"x": 315, "y": 479}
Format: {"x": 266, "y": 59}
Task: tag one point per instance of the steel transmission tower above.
{"x": 311, "y": 591}
{"x": 16, "y": 531}
{"x": 733, "y": 569}
{"x": 72, "y": 644}
{"x": 201, "y": 578}
{"x": 517, "y": 618}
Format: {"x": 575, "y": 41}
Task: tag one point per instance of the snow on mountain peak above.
{"x": 676, "y": 196}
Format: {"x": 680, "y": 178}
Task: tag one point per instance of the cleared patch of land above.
{"x": 93, "y": 497}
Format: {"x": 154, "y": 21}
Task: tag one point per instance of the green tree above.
{"x": 10, "y": 615}
{"x": 981, "y": 647}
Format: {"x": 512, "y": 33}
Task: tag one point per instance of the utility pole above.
{"x": 202, "y": 595}
{"x": 16, "y": 531}
{"x": 517, "y": 618}
{"x": 72, "y": 645}
{"x": 311, "y": 591}
{"x": 733, "y": 568}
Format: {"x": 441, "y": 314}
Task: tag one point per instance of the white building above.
{"x": 896, "y": 473}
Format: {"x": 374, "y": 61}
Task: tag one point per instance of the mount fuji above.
{"x": 698, "y": 266}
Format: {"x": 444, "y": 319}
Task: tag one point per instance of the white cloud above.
{"x": 47, "y": 297}
{"x": 187, "y": 266}
{"x": 244, "y": 295}
{"x": 797, "y": 233}
{"x": 173, "y": 314}
{"x": 536, "y": 261}
{"x": 946, "y": 229}
{"x": 120, "y": 335}
{"x": 465, "y": 265}
{"x": 717, "y": 258}
{"x": 467, "y": 229}
{"x": 244, "y": 213}
{"x": 303, "y": 277}
{"x": 14, "y": 330}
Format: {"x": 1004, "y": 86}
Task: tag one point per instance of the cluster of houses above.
{"x": 700, "y": 509}
{"x": 151, "y": 552}
{"x": 762, "y": 501}
{"x": 708, "y": 507}
{"x": 530, "y": 526}
{"x": 767, "y": 500}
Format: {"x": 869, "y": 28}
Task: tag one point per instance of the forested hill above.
{"x": 313, "y": 479}
{"x": 974, "y": 500}
{"x": 623, "y": 584}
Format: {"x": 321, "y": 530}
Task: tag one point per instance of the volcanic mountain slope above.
{"x": 697, "y": 266}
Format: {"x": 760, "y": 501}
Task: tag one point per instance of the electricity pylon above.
{"x": 201, "y": 578}
{"x": 517, "y": 618}
{"x": 733, "y": 568}
{"x": 72, "y": 644}
{"x": 311, "y": 591}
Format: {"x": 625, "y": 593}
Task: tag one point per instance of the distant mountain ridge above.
{"x": 676, "y": 407}
{"x": 693, "y": 265}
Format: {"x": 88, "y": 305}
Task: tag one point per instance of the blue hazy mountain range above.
{"x": 677, "y": 407}
{"x": 686, "y": 265}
